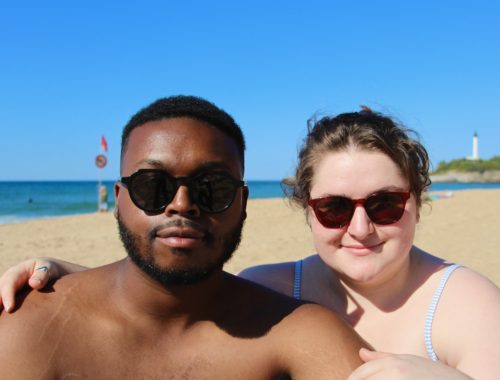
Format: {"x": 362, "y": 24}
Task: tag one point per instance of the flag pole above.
{"x": 101, "y": 162}
{"x": 99, "y": 184}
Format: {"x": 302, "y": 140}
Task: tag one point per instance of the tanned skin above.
{"x": 117, "y": 322}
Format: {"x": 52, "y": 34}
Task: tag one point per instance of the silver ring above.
{"x": 43, "y": 268}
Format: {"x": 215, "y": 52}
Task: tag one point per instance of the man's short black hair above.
{"x": 187, "y": 106}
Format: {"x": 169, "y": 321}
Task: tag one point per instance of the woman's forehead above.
{"x": 354, "y": 169}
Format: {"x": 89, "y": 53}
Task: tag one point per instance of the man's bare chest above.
{"x": 191, "y": 356}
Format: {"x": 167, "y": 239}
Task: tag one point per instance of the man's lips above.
{"x": 180, "y": 237}
{"x": 186, "y": 232}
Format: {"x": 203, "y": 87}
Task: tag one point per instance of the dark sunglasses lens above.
{"x": 385, "y": 208}
{"x": 214, "y": 192}
{"x": 334, "y": 212}
{"x": 151, "y": 191}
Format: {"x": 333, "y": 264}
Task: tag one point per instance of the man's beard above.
{"x": 143, "y": 256}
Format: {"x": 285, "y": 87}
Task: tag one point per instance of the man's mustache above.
{"x": 178, "y": 222}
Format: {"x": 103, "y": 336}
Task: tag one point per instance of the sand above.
{"x": 464, "y": 228}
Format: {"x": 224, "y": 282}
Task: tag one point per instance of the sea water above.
{"x": 26, "y": 200}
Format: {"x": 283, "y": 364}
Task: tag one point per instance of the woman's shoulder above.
{"x": 453, "y": 277}
{"x": 458, "y": 294}
{"x": 278, "y": 276}
{"x": 466, "y": 327}
{"x": 467, "y": 285}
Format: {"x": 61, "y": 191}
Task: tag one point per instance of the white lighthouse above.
{"x": 475, "y": 147}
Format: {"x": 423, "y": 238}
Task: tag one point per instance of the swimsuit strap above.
{"x": 297, "y": 279}
{"x": 432, "y": 309}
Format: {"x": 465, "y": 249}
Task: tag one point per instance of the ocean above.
{"x": 26, "y": 200}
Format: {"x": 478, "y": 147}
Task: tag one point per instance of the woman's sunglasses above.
{"x": 152, "y": 190}
{"x": 382, "y": 208}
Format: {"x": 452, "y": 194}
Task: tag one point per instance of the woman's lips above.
{"x": 361, "y": 250}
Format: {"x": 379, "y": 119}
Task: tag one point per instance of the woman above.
{"x": 360, "y": 179}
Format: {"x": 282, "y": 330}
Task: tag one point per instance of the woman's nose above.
{"x": 360, "y": 226}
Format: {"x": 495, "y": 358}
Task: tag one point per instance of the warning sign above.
{"x": 101, "y": 161}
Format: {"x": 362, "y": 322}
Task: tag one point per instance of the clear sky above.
{"x": 71, "y": 71}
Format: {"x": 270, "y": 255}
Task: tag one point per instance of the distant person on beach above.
{"x": 360, "y": 179}
{"x": 103, "y": 198}
{"x": 168, "y": 310}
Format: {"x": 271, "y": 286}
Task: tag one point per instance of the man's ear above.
{"x": 116, "y": 191}
{"x": 244, "y": 199}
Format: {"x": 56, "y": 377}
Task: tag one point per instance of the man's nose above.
{"x": 182, "y": 204}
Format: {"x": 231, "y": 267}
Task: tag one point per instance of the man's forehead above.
{"x": 179, "y": 140}
{"x": 179, "y": 128}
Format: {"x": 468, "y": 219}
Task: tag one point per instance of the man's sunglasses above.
{"x": 382, "y": 208}
{"x": 152, "y": 189}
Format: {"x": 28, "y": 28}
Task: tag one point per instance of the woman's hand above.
{"x": 381, "y": 365}
{"x": 34, "y": 272}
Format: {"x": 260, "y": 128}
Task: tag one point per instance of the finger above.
{"x": 374, "y": 365}
{"x": 365, "y": 371}
{"x": 368, "y": 355}
{"x": 8, "y": 299}
{"x": 40, "y": 275}
{"x": 13, "y": 280}
{"x": 10, "y": 282}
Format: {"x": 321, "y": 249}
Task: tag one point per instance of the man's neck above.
{"x": 138, "y": 294}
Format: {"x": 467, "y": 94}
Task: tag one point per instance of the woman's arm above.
{"x": 380, "y": 365}
{"x": 466, "y": 329}
{"x": 465, "y": 336}
{"x": 34, "y": 272}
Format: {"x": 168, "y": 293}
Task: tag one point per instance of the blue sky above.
{"x": 71, "y": 71}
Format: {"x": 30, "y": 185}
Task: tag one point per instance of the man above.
{"x": 168, "y": 310}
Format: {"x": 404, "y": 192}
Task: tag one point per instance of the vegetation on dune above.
{"x": 465, "y": 165}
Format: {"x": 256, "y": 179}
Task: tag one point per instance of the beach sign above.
{"x": 101, "y": 161}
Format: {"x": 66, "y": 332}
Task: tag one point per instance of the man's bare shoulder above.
{"x": 296, "y": 328}
{"x": 32, "y": 337}
{"x": 65, "y": 292}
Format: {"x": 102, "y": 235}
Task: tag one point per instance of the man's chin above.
{"x": 170, "y": 276}
{"x": 168, "y": 273}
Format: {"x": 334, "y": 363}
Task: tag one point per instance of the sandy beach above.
{"x": 464, "y": 228}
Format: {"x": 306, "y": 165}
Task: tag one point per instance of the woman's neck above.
{"x": 387, "y": 292}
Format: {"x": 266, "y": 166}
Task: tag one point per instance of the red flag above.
{"x": 104, "y": 143}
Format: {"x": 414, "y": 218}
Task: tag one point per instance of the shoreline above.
{"x": 15, "y": 219}
{"x": 454, "y": 176}
{"x": 79, "y": 199}
{"x": 461, "y": 228}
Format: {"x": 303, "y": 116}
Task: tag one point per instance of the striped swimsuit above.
{"x": 297, "y": 285}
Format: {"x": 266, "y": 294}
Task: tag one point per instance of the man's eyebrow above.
{"x": 154, "y": 163}
{"x": 204, "y": 166}
{"x": 212, "y": 165}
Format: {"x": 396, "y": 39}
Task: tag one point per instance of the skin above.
{"x": 117, "y": 322}
{"x": 375, "y": 279}
{"x": 382, "y": 285}
{"x": 363, "y": 254}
